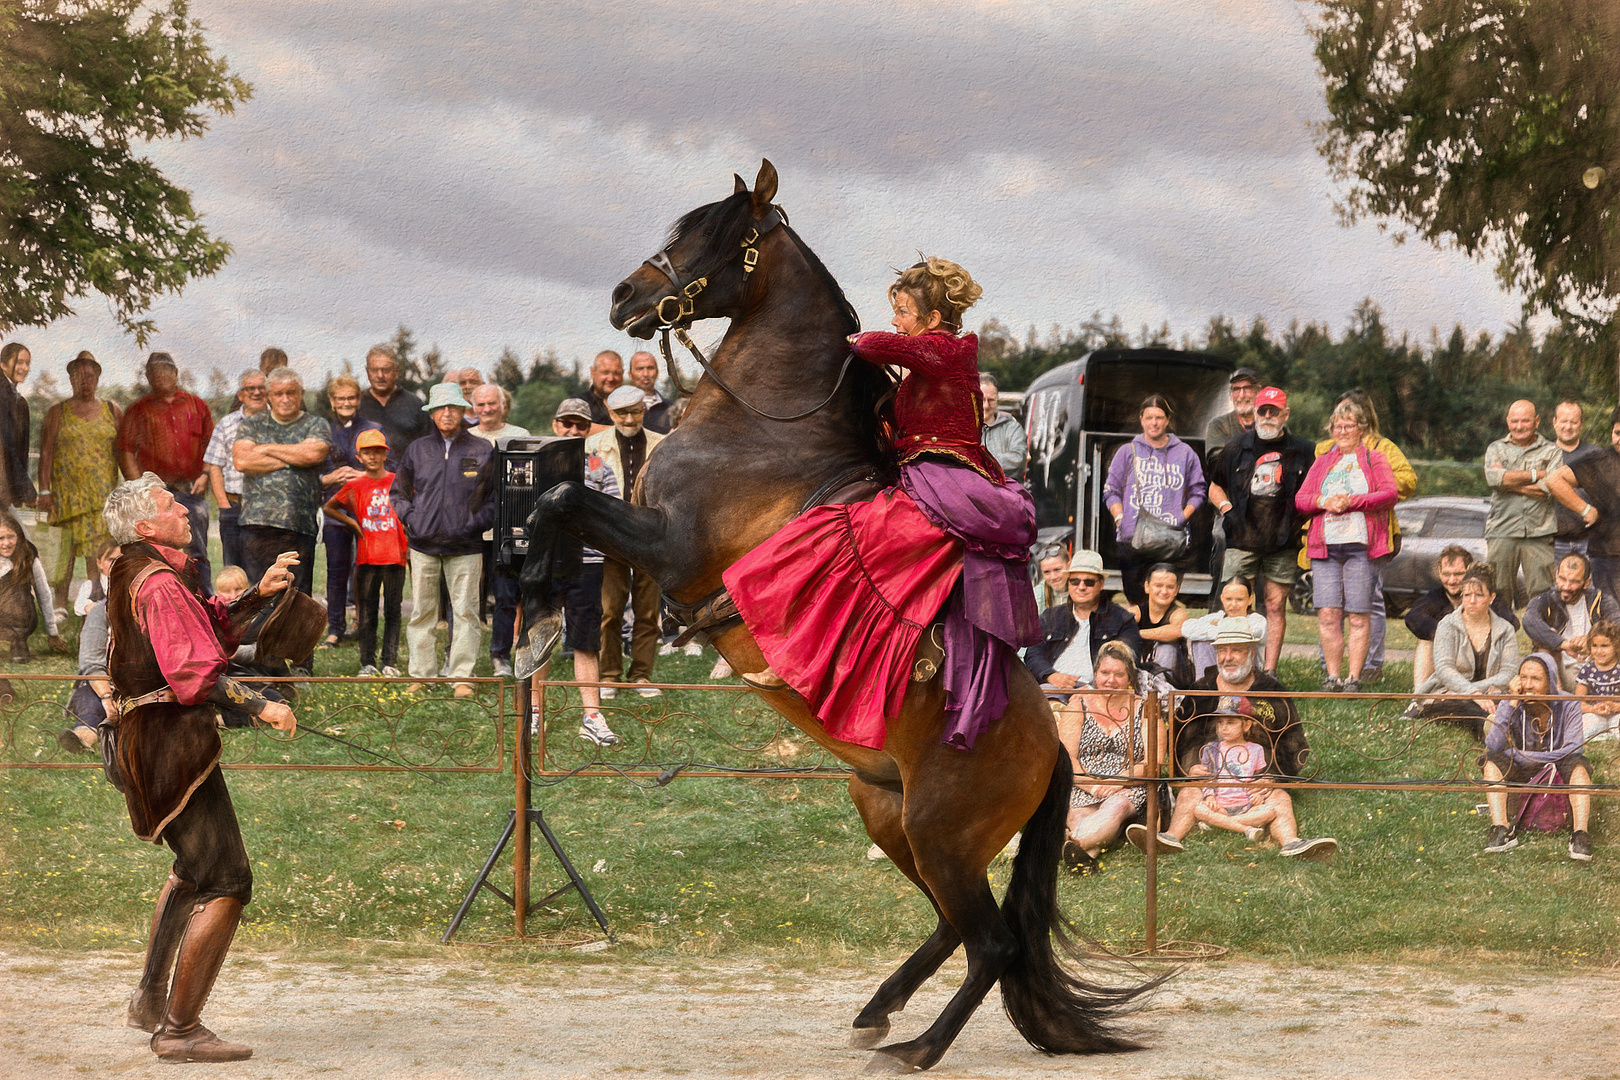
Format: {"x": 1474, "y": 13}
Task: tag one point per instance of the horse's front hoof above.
{"x": 542, "y": 639}
{"x": 864, "y": 1038}
{"x": 886, "y": 1065}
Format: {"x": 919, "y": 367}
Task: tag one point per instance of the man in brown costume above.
{"x": 167, "y": 661}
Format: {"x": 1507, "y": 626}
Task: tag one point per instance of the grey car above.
{"x": 1429, "y": 525}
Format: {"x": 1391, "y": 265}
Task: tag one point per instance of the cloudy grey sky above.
{"x": 485, "y": 172}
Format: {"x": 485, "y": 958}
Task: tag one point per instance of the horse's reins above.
{"x": 677, "y": 318}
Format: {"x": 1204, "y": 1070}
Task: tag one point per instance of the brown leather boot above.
{"x": 202, "y": 952}
{"x": 169, "y": 921}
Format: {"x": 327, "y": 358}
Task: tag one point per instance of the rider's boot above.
{"x": 202, "y": 952}
{"x": 169, "y": 921}
{"x": 764, "y": 680}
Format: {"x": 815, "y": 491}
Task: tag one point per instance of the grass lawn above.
{"x": 347, "y": 860}
{"x": 358, "y": 861}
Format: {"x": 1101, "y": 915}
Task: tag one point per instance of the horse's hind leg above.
{"x": 880, "y": 809}
{"x": 961, "y": 892}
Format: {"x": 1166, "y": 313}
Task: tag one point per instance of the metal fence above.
{"x": 714, "y": 731}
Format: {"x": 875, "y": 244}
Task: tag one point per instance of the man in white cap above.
{"x": 445, "y": 499}
{"x": 1072, "y": 633}
{"x": 1273, "y": 745}
{"x": 624, "y": 448}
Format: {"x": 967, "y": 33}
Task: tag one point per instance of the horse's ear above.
{"x": 742, "y": 185}
{"x": 764, "y": 187}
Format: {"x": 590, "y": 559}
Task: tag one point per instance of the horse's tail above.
{"x": 1055, "y": 1009}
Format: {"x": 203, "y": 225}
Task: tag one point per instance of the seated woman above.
{"x": 1526, "y": 741}
{"x": 1238, "y": 603}
{"x": 839, "y": 597}
{"x": 24, "y": 593}
{"x": 1476, "y": 651}
{"x": 1102, "y": 729}
{"x": 1159, "y": 620}
{"x": 93, "y": 590}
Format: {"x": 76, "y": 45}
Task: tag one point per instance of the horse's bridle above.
{"x": 675, "y": 314}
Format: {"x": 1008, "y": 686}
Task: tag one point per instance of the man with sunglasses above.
{"x": 1072, "y": 633}
{"x": 1252, "y": 484}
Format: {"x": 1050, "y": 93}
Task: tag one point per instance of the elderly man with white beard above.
{"x": 1252, "y": 483}
{"x": 1272, "y": 745}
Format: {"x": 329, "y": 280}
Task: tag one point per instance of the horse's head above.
{"x": 704, "y": 270}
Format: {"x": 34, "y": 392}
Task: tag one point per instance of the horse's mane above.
{"x": 722, "y": 226}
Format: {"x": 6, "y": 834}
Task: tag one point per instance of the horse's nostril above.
{"x": 622, "y": 293}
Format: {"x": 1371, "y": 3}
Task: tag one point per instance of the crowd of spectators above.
{"x": 393, "y": 487}
{"x": 1282, "y": 505}
{"x": 397, "y": 492}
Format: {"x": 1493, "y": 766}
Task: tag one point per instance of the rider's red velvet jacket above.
{"x": 937, "y": 409}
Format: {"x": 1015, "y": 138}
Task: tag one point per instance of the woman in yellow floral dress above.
{"x": 77, "y": 469}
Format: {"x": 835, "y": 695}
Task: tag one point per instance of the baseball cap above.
{"x": 574, "y": 407}
{"x": 369, "y": 439}
{"x": 1271, "y": 396}
{"x": 1243, "y": 374}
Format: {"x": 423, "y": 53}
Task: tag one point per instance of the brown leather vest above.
{"x": 161, "y": 751}
{"x": 131, "y": 662}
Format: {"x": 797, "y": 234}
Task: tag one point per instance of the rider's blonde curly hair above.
{"x": 938, "y": 285}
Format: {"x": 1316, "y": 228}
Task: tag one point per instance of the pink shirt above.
{"x": 192, "y": 638}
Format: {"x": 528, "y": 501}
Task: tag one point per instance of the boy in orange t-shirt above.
{"x": 362, "y": 505}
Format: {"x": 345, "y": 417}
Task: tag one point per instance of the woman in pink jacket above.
{"x": 1348, "y": 496}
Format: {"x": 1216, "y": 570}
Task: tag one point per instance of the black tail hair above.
{"x": 1056, "y": 1010}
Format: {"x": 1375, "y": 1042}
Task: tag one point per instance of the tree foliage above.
{"x": 1479, "y": 123}
{"x": 81, "y": 84}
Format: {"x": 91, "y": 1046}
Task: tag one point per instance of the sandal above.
{"x": 331, "y": 641}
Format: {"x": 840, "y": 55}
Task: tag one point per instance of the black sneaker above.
{"x": 1580, "y": 847}
{"x": 1351, "y": 686}
{"x": 1499, "y": 840}
{"x": 1331, "y": 685}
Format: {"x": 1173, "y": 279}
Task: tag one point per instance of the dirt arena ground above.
{"x": 62, "y": 1016}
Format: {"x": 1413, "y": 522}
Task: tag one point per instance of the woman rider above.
{"x": 839, "y": 598}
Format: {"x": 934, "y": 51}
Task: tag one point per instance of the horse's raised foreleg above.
{"x": 620, "y": 530}
{"x": 880, "y": 809}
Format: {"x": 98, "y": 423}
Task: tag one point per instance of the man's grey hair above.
{"x": 280, "y": 375}
{"x": 250, "y": 373}
{"x": 987, "y": 379}
{"x": 131, "y": 502}
{"x": 385, "y": 351}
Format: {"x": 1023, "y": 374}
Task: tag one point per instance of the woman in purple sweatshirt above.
{"x": 1154, "y": 474}
{"x": 1525, "y": 738}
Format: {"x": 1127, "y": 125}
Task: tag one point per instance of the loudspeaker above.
{"x": 526, "y": 467}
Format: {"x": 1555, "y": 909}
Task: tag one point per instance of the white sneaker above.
{"x": 594, "y": 728}
{"x": 647, "y": 691}
{"x": 666, "y": 649}
{"x": 609, "y": 693}
{"x": 876, "y": 854}
{"x": 721, "y": 670}
{"x": 693, "y": 649}
{"x": 390, "y": 671}
{"x": 502, "y": 669}
{"x": 369, "y": 672}
{"x": 1253, "y": 833}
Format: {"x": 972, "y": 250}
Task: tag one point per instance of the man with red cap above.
{"x": 1252, "y": 484}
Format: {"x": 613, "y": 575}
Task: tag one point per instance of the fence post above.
{"x": 1150, "y": 912}
{"x": 520, "y": 763}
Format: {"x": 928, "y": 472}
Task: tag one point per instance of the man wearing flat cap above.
{"x": 624, "y": 448}
{"x": 444, "y": 497}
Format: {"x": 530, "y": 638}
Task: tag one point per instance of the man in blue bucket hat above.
{"x": 444, "y": 496}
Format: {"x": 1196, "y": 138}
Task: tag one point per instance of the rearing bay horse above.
{"x": 724, "y": 481}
